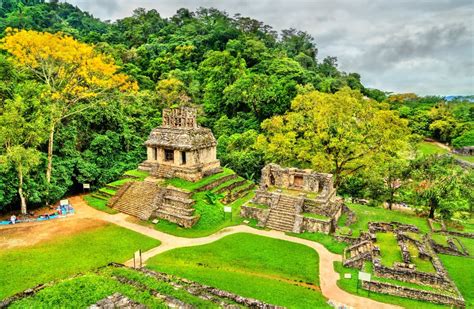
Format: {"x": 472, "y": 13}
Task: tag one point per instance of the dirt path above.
{"x": 328, "y": 276}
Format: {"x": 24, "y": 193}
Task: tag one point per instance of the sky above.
{"x": 421, "y": 46}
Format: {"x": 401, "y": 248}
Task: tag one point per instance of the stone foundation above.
{"x": 401, "y": 291}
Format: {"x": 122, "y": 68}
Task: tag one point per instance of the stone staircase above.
{"x": 136, "y": 199}
{"x": 177, "y": 206}
{"x": 282, "y": 216}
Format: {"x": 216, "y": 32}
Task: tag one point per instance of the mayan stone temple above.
{"x": 295, "y": 200}
{"x": 178, "y": 148}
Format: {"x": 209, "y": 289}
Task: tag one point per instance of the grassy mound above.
{"x": 275, "y": 271}
{"x": 81, "y": 292}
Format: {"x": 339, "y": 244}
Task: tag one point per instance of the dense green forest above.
{"x": 253, "y": 87}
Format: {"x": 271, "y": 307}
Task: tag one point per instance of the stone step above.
{"x": 177, "y": 210}
{"x": 185, "y": 202}
{"x": 137, "y": 199}
{"x": 231, "y": 186}
{"x": 99, "y": 196}
{"x": 279, "y": 221}
{"x": 283, "y": 228}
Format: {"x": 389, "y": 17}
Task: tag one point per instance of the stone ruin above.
{"x": 365, "y": 249}
{"x": 178, "y": 148}
{"x": 294, "y": 200}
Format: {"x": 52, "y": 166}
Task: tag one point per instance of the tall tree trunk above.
{"x": 49, "y": 169}
{"x": 390, "y": 199}
{"x": 433, "y": 205}
{"x": 50, "y": 153}
{"x": 20, "y": 190}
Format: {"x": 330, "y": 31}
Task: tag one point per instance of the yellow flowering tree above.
{"x": 75, "y": 74}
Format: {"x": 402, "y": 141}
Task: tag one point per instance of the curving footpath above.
{"x": 328, "y": 276}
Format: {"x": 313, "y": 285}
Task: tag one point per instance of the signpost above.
{"x": 228, "y": 209}
{"x": 137, "y": 256}
{"x": 363, "y": 277}
{"x": 86, "y": 186}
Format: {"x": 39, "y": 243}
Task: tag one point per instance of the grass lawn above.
{"x": 390, "y": 252}
{"x": 461, "y": 270}
{"x": 465, "y": 158}
{"x": 326, "y": 240}
{"x": 140, "y": 175}
{"x": 120, "y": 182}
{"x": 365, "y": 214}
{"x": 421, "y": 264}
{"x": 99, "y": 204}
{"x": 468, "y": 244}
{"x": 212, "y": 217}
{"x": 427, "y": 148}
{"x": 272, "y": 270}
{"x": 108, "y": 191}
{"x": 25, "y": 267}
{"x": 315, "y": 216}
{"x": 350, "y": 285}
{"x": 440, "y": 239}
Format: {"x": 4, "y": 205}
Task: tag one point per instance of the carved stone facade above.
{"x": 295, "y": 200}
{"x": 321, "y": 184}
{"x": 181, "y": 148}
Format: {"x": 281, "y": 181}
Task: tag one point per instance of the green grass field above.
{"x": 427, "y": 148}
{"x": 25, "y": 267}
{"x": 461, "y": 270}
{"x": 271, "y": 270}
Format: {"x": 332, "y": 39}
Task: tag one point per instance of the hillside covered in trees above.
{"x": 78, "y": 97}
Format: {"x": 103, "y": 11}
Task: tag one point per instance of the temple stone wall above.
{"x": 314, "y": 225}
{"x": 293, "y": 178}
{"x": 259, "y": 214}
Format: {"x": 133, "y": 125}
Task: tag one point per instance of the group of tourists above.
{"x": 62, "y": 210}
